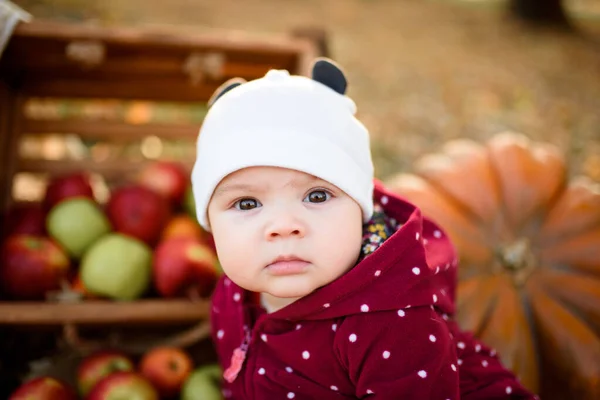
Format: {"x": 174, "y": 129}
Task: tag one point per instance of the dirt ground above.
{"x": 421, "y": 72}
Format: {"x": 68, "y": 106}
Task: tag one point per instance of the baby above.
{"x": 334, "y": 287}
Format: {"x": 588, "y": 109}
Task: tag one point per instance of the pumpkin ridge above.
{"x": 483, "y": 226}
{"x": 532, "y": 224}
{"x": 437, "y": 207}
{"x": 487, "y": 295}
{"x": 527, "y": 294}
{"x": 565, "y": 269}
{"x": 581, "y": 253}
{"x": 556, "y": 286}
{"x": 469, "y": 288}
{"x": 564, "y": 334}
{"x": 502, "y": 210}
{"x": 521, "y": 352}
{"x": 490, "y": 232}
{"x": 577, "y": 210}
{"x": 487, "y": 315}
{"x": 553, "y": 240}
{"x": 529, "y": 175}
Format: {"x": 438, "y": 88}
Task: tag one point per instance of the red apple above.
{"x": 210, "y": 242}
{"x": 166, "y": 368}
{"x": 29, "y": 219}
{"x": 98, "y": 366}
{"x": 123, "y": 385}
{"x": 72, "y": 185}
{"x": 31, "y": 266}
{"x": 166, "y": 178}
{"x": 181, "y": 226}
{"x": 139, "y": 212}
{"x": 43, "y": 388}
{"x": 182, "y": 266}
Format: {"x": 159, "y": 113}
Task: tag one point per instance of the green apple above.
{"x": 117, "y": 266}
{"x": 189, "y": 204}
{"x": 76, "y": 223}
{"x": 204, "y": 383}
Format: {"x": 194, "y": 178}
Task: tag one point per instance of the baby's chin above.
{"x": 288, "y": 294}
{"x": 290, "y": 291}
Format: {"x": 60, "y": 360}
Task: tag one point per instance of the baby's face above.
{"x": 283, "y": 232}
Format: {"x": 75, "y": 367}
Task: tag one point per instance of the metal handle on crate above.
{"x": 186, "y": 338}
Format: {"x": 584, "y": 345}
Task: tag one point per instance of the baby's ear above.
{"x": 224, "y": 88}
{"x": 329, "y": 74}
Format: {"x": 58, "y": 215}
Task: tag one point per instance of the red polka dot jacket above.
{"x": 384, "y": 330}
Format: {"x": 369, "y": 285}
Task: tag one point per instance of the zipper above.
{"x": 238, "y": 357}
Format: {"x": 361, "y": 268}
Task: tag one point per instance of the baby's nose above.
{"x": 285, "y": 226}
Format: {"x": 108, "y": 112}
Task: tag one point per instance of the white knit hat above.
{"x": 285, "y": 121}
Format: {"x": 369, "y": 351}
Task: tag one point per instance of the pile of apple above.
{"x": 162, "y": 373}
{"x": 143, "y": 241}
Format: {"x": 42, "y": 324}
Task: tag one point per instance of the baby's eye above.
{"x": 247, "y": 204}
{"x": 317, "y": 196}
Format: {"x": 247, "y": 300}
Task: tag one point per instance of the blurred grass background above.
{"x": 421, "y": 72}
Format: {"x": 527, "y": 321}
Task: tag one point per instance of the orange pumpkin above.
{"x": 529, "y": 242}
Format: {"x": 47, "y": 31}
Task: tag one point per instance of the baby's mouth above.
{"x": 287, "y": 265}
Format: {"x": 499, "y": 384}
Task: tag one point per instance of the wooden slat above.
{"x": 132, "y": 89}
{"x": 139, "y": 63}
{"x": 103, "y": 312}
{"x": 40, "y": 52}
{"x": 156, "y": 65}
{"x": 155, "y": 37}
{"x": 116, "y": 131}
{"x": 110, "y": 169}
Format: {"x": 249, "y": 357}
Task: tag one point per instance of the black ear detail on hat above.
{"x": 329, "y": 74}
{"x": 224, "y": 88}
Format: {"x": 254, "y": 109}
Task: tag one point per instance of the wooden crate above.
{"x": 134, "y": 70}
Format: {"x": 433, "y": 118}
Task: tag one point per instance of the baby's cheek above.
{"x": 341, "y": 256}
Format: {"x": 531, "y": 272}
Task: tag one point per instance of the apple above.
{"x": 189, "y": 205}
{"x": 169, "y": 179}
{"x": 210, "y": 242}
{"x": 123, "y": 385}
{"x": 99, "y": 365}
{"x": 183, "y": 265}
{"x": 66, "y": 186}
{"x": 204, "y": 383}
{"x": 43, "y": 388}
{"x": 183, "y": 225}
{"x": 27, "y": 219}
{"x": 117, "y": 266}
{"x": 31, "y": 266}
{"x": 139, "y": 212}
{"x": 166, "y": 368}
{"x": 76, "y": 223}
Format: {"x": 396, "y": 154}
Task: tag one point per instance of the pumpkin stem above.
{"x": 517, "y": 258}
